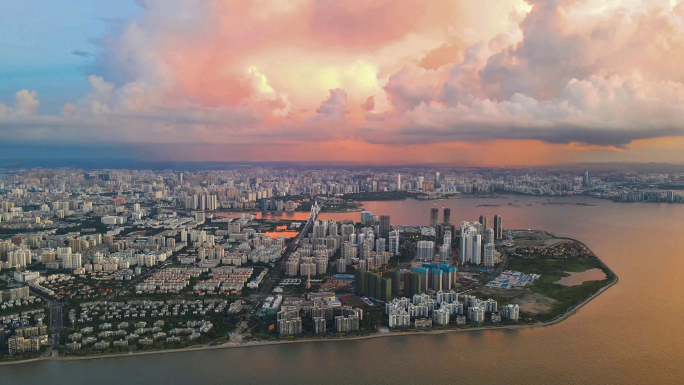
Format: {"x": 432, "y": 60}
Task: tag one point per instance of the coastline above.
{"x": 558, "y": 319}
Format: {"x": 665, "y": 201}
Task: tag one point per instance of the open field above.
{"x": 550, "y": 298}
{"x": 352, "y": 300}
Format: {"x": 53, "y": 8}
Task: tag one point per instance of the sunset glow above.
{"x": 535, "y": 82}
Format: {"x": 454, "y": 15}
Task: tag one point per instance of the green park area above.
{"x": 568, "y": 274}
{"x": 554, "y": 270}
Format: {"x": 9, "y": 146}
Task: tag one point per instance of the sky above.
{"x": 490, "y": 83}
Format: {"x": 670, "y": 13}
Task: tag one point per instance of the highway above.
{"x": 279, "y": 267}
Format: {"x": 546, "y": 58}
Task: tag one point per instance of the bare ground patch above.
{"x": 529, "y": 302}
{"x": 535, "y": 303}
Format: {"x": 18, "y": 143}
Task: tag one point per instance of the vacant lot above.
{"x": 529, "y": 301}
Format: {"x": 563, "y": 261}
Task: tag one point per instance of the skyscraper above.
{"x": 437, "y": 182}
{"x": 464, "y": 243}
{"x": 498, "y": 230}
{"x": 483, "y": 221}
{"x": 475, "y": 248}
{"x": 398, "y": 182}
{"x": 434, "y": 216}
{"x": 384, "y": 226}
{"x": 447, "y": 215}
{"x": 366, "y": 218}
{"x": 471, "y": 244}
{"x": 394, "y": 242}
{"x": 585, "y": 180}
{"x": 489, "y": 251}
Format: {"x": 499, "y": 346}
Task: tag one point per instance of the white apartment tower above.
{"x": 471, "y": 244}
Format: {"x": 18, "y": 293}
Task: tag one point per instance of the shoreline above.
{"x": 560, "y": 318}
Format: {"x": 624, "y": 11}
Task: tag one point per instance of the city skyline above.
{"x": 177, "y": 257}
{"x": 502, "y": 83}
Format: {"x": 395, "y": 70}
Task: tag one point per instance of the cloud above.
{"x": 82, "y": 53}
{"x": 25, "y": 105}
{"x": 369, "y": 104}
{"x": 335, "y": 106}
{"x": 384, "y": 73}
{"x": 412, "y": 86}
{"x": 596, "y": 111}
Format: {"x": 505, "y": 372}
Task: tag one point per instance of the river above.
{"x": 632, "y": 333}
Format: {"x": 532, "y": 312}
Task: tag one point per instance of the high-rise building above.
{"x": 446, "y": 239}
{"x": 498, "y": 230}
{"x": 475, "y": 248}
{"x": 441, "y": 317}
{"x": 380, "y": 245}
{"x": 360, "y": 281}
{"x": 488, "y": 236}
{"x": 434, "y": 216}
{"x": 398, "y": 182}
{"x": 394, "y": 242}
{"x": 510, "y": 312}
{"x": 384, "y": 226}
{"x": 447, "y": 215}
{"x": 445, "y": 252}
{"x": 367, "y": 218}
{"x": 585, "y": 179}
{"x": 463, "y": 249}
{"x": 319, "y": 325}
{"x": 476, "y": 314}
{"x": 449, "y": 277}
{"x": 346, "y": 324}
{"x": 424, "y": 274}
{"x": 483, "y": 222}
{"x": 489, "y": 251}
{"x": 438, "y": 184}
{"x": 412, "y": 284}
{"x": 425, "y": 250}
{"x": 436, "y": 278}
{"x": 471, "y": 242}
{"x": 373, "y": 285}
{"x": 319, "y": 229}
{"x": 478, "y": 227}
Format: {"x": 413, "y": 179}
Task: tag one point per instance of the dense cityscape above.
{"x": 113, "y": 261}
{"x": 341, "y": 192}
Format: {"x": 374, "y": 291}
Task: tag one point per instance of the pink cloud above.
{"x": 241, "y": 72}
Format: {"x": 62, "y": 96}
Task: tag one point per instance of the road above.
{"x": 55, "y": 314}
{"x": 279, "y": 268}
{"x": 56, "y": 319}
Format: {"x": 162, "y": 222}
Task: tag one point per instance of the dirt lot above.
{"x": 535, "y": 303}
{"x": 528, "y": 301}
